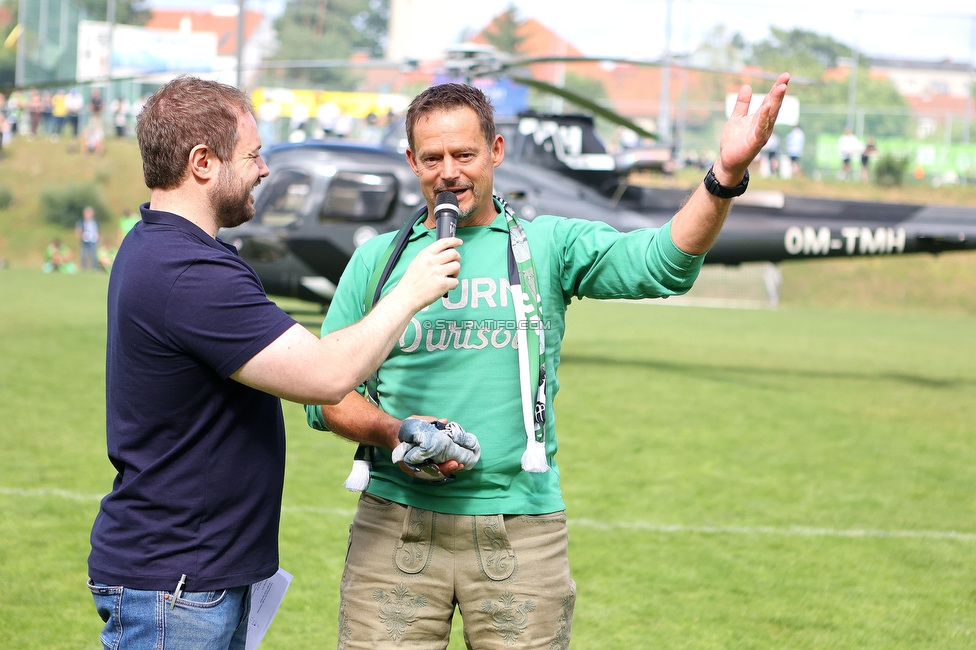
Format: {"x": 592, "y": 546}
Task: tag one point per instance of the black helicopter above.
{"x": 325, "y": 198}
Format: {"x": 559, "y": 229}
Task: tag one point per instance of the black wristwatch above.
{"x": 722, "y": 191}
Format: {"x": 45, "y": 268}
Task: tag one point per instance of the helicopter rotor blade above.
{"x": 583, "y": 102}
{"x": 272, "y": 64}
{"x": 501, "y": 66}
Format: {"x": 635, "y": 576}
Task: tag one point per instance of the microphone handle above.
{"x": 446, "y": 224}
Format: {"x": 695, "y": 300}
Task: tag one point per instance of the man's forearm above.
{"x": 698, "y": 223}
{"x": 358, "y": 420}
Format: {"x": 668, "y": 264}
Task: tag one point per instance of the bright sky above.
{"x": 930, "y": 30}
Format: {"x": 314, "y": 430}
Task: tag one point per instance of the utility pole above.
{"x": 240, "y": 44}
{"x": 21, "y": 51}
{"x": 109, "y": 85}
{"x": 852, "y": 89}
{"x": 972, "y": 78}
{"x": 664, "y": 111}
{"x": 972, "y": 90}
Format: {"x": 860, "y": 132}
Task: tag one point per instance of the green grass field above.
{"x": 797, "y": 478}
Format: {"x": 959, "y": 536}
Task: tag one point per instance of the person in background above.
{"x": 15, "y": 108}
{"x": 73, "y": 104}
{"x": 59, "y": 113}
{"x": 795, "y": 142}
{"x": 120, "y": 116}
{"x": 47, "y": 112}
{"x": 87, "y": 231}
{"x": 870, "y": 150}
{"x": 57, "y": 258}
{"x": 106, "y": 256}
{"x": 126, "y": 222}
{"x": 35, "y": 109}
{"x": 489, "y": 538}
{"x": 96, "y": 105}
{"x": 771, "y": 154}
{"x": 197, "y": 362}
{"x": 4, "y": 124}
{"x": 94, "y": 136}
{"x": 850, "y": 148}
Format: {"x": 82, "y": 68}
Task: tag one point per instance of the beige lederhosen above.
{"x": 407, "y": 568}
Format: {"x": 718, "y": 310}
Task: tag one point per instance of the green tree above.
{"x": 825, "y": 105}
{"x": 805, "y": 54}
{"x": 503, "y": 32}
{"x": 886, "y": 113}
{"x": 328, "y": 30}
{"x": 720, "y": 49}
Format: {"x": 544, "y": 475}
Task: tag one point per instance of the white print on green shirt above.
{"x": 436, "y": 334}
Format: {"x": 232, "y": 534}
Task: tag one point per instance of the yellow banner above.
{"x": 358, "y": 105}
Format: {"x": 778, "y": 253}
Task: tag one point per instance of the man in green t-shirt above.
{"x": 57, "y": 258}
{"x": 490, "y": 539}
{"x": 126, "y": 222}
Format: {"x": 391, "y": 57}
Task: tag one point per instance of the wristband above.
{"x": 723, "y": 191}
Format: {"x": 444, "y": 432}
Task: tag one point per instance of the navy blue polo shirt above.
{"x": 200, "y": 457}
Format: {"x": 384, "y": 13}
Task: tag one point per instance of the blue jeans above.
{"x": 205, "y": 620}
{"x": 89, "y": 255}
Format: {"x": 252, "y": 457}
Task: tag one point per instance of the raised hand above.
{"x": 745, "y": 135}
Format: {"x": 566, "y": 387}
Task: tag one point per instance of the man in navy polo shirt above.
{"x": 197, "y": 359}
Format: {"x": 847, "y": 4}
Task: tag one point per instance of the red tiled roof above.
{"x": 938, "y": 105}
{"x": 633, "y": 90}
{"x": 203, "y": 21}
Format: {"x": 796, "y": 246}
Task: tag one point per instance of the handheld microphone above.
{"x": 446, "y": 213}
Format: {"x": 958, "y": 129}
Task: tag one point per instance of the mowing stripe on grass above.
{"x": 790, "y": 531}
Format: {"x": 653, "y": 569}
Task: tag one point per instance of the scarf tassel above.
{"x": 534, "y": 457}
{"x": 358, "y": 477}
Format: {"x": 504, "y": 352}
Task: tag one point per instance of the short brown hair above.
{"x": 450, "y": 96}
{"x": 184, "y": 113}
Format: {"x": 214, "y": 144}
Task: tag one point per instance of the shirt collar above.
{"x": 161, "y": 217}
{"x": 500, "y": 223}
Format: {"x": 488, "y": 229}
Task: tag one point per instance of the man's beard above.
{"x": 464, "y": 216}
{"x": 230, "y": 200}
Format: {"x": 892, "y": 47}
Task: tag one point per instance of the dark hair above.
{"x": 184, "y": 113}
{"x": 451, "y": 96}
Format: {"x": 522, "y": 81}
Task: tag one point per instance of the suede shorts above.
{"x": 407, "y": 571}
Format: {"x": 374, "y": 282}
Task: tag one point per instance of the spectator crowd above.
{"x": 65, "y": 114}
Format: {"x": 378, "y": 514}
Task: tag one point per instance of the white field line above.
{"x": 50, "y": 492}
{"x": 788, "y": 531}
{"x": 640, "y": 526}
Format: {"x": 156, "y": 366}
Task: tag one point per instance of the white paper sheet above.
{"x": 266, "y": 597}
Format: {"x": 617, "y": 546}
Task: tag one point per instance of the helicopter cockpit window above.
{"x": 284, "y": 199}
{"x": 359, "y": 196}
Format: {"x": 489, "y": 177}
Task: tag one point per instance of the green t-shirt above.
{"x": 127, "y": 222}
{"x": 457, "y": 359}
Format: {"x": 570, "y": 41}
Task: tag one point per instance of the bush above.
{"x": 6, "y": 197}
{"x": 62, "y": 204}
{"x": 889, "y": 171}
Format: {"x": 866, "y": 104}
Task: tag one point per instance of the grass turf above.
{"x": 753, "y": 479}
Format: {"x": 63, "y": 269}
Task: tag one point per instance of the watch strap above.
{"x": 724, "y": 191}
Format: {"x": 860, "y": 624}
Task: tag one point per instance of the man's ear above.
{"x": 413, "y": 163}
{"x": 202, "y": 162}
{"x": 497, "y": 150}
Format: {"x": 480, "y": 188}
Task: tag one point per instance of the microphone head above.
{"x": 445, "y": 199}
{"x": 446, "y": 214}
